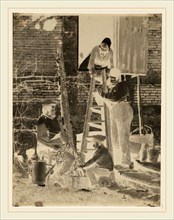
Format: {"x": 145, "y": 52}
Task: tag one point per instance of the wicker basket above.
{"x": 147, "y": 138}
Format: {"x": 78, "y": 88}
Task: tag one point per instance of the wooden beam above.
{"x": 134, "y": 74}
{"x": 64, "y": 95}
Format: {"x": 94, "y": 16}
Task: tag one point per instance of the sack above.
{"x": 147, "y": 138}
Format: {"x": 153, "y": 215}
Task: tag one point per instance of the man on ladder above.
{"x": 101, "y": 58}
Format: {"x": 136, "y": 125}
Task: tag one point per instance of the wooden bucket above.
{"x": 153, "y": 155}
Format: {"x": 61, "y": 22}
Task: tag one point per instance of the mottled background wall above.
{"x": 35, "y": 74}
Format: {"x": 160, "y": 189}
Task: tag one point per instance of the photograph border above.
{"x": 6, "y": 98}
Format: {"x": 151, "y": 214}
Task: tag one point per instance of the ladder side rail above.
{"x": 107, "y": 117}
{"x": 108, "y": 130}
{"x": 108, "y": 124}
{"x": 88, "y": 115}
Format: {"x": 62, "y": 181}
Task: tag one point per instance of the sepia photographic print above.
{"x": 87, "y": 103}
{"x": 111, "y": 100}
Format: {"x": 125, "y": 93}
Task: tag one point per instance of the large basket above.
{"x": 147, "y": 138}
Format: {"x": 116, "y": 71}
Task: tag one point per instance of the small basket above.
{"x": 77, "y": 182}
{"x": 147, "y": 138}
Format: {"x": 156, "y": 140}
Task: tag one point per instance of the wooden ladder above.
{"x": 103, "y": 124}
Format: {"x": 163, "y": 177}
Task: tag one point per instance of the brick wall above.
{"x": 150, "y": 84}
{"x": 35, "y": 71}
{"x": 70, "y": 44}
{"x": 150, "y": 94}
{"x": 35, "y": 75}
{"x": 34, "y": 50}
{"x": 154, "y": 50}
{"x": 154, "y": 43}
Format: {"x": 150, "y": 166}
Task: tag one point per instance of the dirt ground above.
{"x": 25, "y": 193}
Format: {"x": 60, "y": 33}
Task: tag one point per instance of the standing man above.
{"x": 121, "y": 115}
{"x": 101, "y": 164}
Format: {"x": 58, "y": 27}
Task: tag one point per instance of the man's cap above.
{"x": 118, "y": 92}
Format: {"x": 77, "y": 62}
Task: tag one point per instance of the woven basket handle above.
{"x": 146, "y": 127}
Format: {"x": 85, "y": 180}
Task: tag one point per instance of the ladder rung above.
{"x": 94, "y": 125}
{"x": 98, "y": 111}
{"x": 86, "y": 151}
{"x": 92, "y": 133}
{"x": 90, "y": 136}
{"x": 96, "y": 121}
{"x": 89, "y": 141}
{"x": 96, "y": 81}
{"x": 97, "y": 106}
